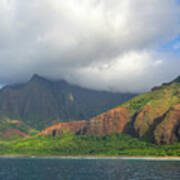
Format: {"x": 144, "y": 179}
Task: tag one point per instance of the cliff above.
{"x": 154, "y": 116}
{"x": 41, "y": 102}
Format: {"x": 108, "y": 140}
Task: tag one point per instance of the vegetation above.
{"x": 152, "y": 116}
{"x": 40, "y": 102}
{"x": 14, "y": 129}
{"x": 164, "y": 95}
{"x": 115, "y": 144}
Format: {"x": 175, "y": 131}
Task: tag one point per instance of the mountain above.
{"x": 40, "y": 102}
{"x": 153, "y": 116}
{"x": 14, "y": 129}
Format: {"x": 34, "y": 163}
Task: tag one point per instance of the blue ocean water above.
{"x": 69, "y": 169}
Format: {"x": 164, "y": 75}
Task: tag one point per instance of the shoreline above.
{"x": 158, "y": 158}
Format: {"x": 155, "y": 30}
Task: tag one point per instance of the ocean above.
{"x": 87, "y": 169}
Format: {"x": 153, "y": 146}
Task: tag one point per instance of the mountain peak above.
{"x": 36, "y": 76}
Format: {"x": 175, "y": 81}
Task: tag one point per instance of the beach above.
{"x": 158, "y": 158}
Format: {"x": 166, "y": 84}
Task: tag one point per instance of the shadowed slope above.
{"x": 154, "y": 116}
{"x": 40, "y": 103}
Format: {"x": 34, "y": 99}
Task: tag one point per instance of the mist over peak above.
{"x": 105, "y": 45}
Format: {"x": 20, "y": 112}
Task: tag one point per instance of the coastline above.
{"x": 154, "y": 158}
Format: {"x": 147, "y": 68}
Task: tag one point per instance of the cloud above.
{"x": 131, "y": 72}
{"x": 100, "y": 44}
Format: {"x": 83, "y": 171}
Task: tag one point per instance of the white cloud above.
{"x": 96, "y": 43}
{"x": 132, "y": 72}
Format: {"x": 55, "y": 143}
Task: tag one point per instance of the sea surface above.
{"x": 87, "y": 169}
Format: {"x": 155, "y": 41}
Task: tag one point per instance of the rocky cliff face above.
{"x": 114, "y": 120}
{"x": 40, "y": 102}
{"x": 169, "y": 129}
{"x": 154, "y": 116}
{"x": 76, "y": 127}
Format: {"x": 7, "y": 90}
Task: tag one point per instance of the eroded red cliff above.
{"x": 169, "y": 129}
{"x": 114, "y": 120}
{"x": 154, "y": 116}
{"x": 73, "y": 127}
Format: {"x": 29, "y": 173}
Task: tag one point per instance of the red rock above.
{"x": 114, "y": 120}
{"x": 169, "y": 130}
{"x": 73, "y": 127}
{"x": 11, "y": 132}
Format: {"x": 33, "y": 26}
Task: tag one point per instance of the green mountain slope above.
{"x": 40, "y": 102}
{"x": 154, "y": 116}
{"x": 14, "y": 129}
{"x": 153, "y": 119}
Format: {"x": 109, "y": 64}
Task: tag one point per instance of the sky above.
{"x": 114, "y": 45}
